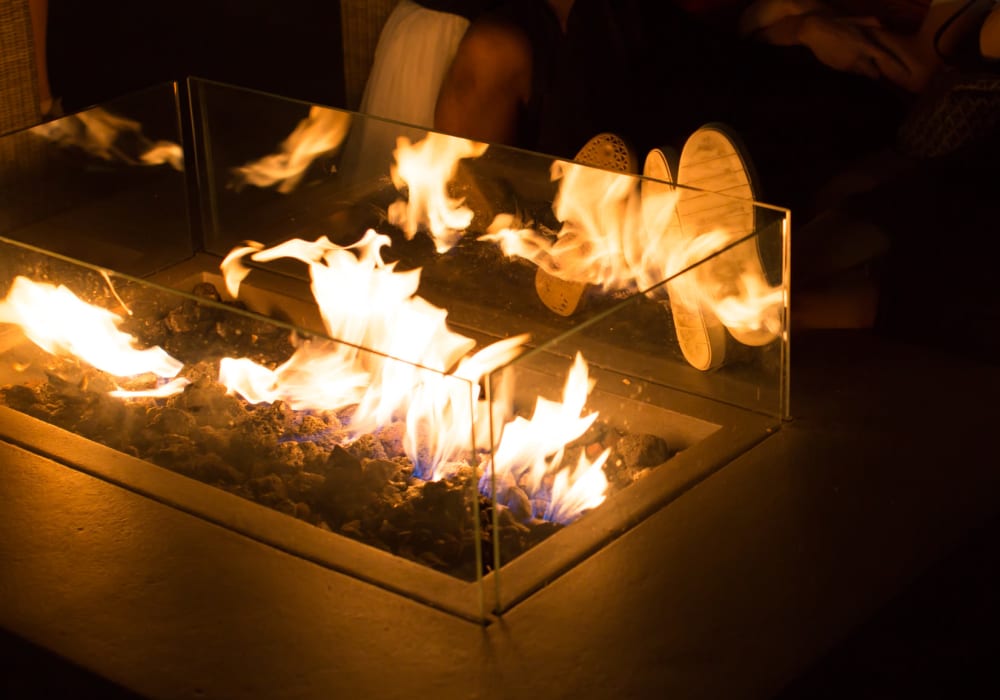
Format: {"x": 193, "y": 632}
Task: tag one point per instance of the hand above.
{"x": 764, "y": 13}
{"x": 850, "y": 44}
{"x": 918, "y": 57}
{"x": 842, "y": 43}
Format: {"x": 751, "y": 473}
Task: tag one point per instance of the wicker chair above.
{"x": 21, "y": 154}
{"x": 18, "y": 79}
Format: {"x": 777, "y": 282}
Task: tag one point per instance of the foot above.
{"x": 713, "y": 162}
{"x": 606, "y": 151}
{"x": 700, "y": 335}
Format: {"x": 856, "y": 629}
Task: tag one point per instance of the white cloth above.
{"x": 414, "y": 51}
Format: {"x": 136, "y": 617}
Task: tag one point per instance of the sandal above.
{"x": 700, "y": 335}
{"x": 606, "y": 151}
{"x": 714, "y": 161}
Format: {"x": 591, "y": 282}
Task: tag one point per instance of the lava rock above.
{"x": 268, "y": 490}
{"x": 171, "y": 421}
{"x": 518, "y": 502}
{"x": 638, "y": 451}
{"x": 206, "y": 290}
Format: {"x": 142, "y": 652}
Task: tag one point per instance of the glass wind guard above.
{"x": 513, "y": 243}
{"x": 595, "y": 429}
{"x": 363, "y": 459}
{"x": 105, "y": 185}
{"x": 525, "y": 356}
{"x": 631, "y": 333}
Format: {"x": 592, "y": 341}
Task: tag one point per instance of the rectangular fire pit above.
{"x": 446, "y": 368}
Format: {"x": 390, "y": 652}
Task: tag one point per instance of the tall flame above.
{"x": 531, "y": 451}
{"x": 424, "y": 169}
{"x": 393, "y": 355}
{"x": 60, "y": 323}
{"x": 323, "y": 131}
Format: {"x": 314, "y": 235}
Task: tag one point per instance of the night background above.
{"x": 99, "y": 50}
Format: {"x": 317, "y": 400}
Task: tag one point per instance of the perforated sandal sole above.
{"x": 607, "y": 151}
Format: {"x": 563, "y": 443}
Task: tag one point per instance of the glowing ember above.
{"x": 59, "y": 322}
{"x": 99, "y": 133}
{"x": 424, "y": 169}
{"x": 322, "y": 132}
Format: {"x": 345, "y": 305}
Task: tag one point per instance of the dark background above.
{"x": 99, "y": 50}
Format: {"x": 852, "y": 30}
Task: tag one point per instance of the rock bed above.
{"x": 303, "y": 464}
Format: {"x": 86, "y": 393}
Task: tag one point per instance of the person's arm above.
{"x": 39, "y": 10}
{"x": 843, "y": 43}
{"x": 989, "y": 35}
{"x": 861, "y": 45}
{"x": 488, "y": 81}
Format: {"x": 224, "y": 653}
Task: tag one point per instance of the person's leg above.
{"x": 946, "y": 35}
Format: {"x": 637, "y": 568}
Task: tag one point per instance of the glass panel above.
{"x": 105, "y": 185}
{"x": 354, "y": 441}
{"x": 674, "y": 298}
{"x": 609, "y": 422}
{"x": 553, "y": 343}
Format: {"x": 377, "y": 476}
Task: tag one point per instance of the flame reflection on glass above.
{"x": 619, "y": 238}
{"x": 322, "y": 132}
{"x": 100, "y": 133}
{"x": 424, "y": 170}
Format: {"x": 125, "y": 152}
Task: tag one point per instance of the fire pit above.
{"x": 354, "y": 362}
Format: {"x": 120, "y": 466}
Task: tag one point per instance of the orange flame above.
{"x": 323, "y": 131}
{"x": 319, "y": 375}
{"x": 425, "y": 168}
{"x": 394, "y": 357}
{"x": 600, "y": 216}
{"x": 60, "y": 323}
{"x": 579, "y": 491}
{"x": 531, "y": 451}
{"x": 618, "y": 238}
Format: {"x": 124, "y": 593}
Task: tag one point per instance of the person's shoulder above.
{"x": 496, "y": 36}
